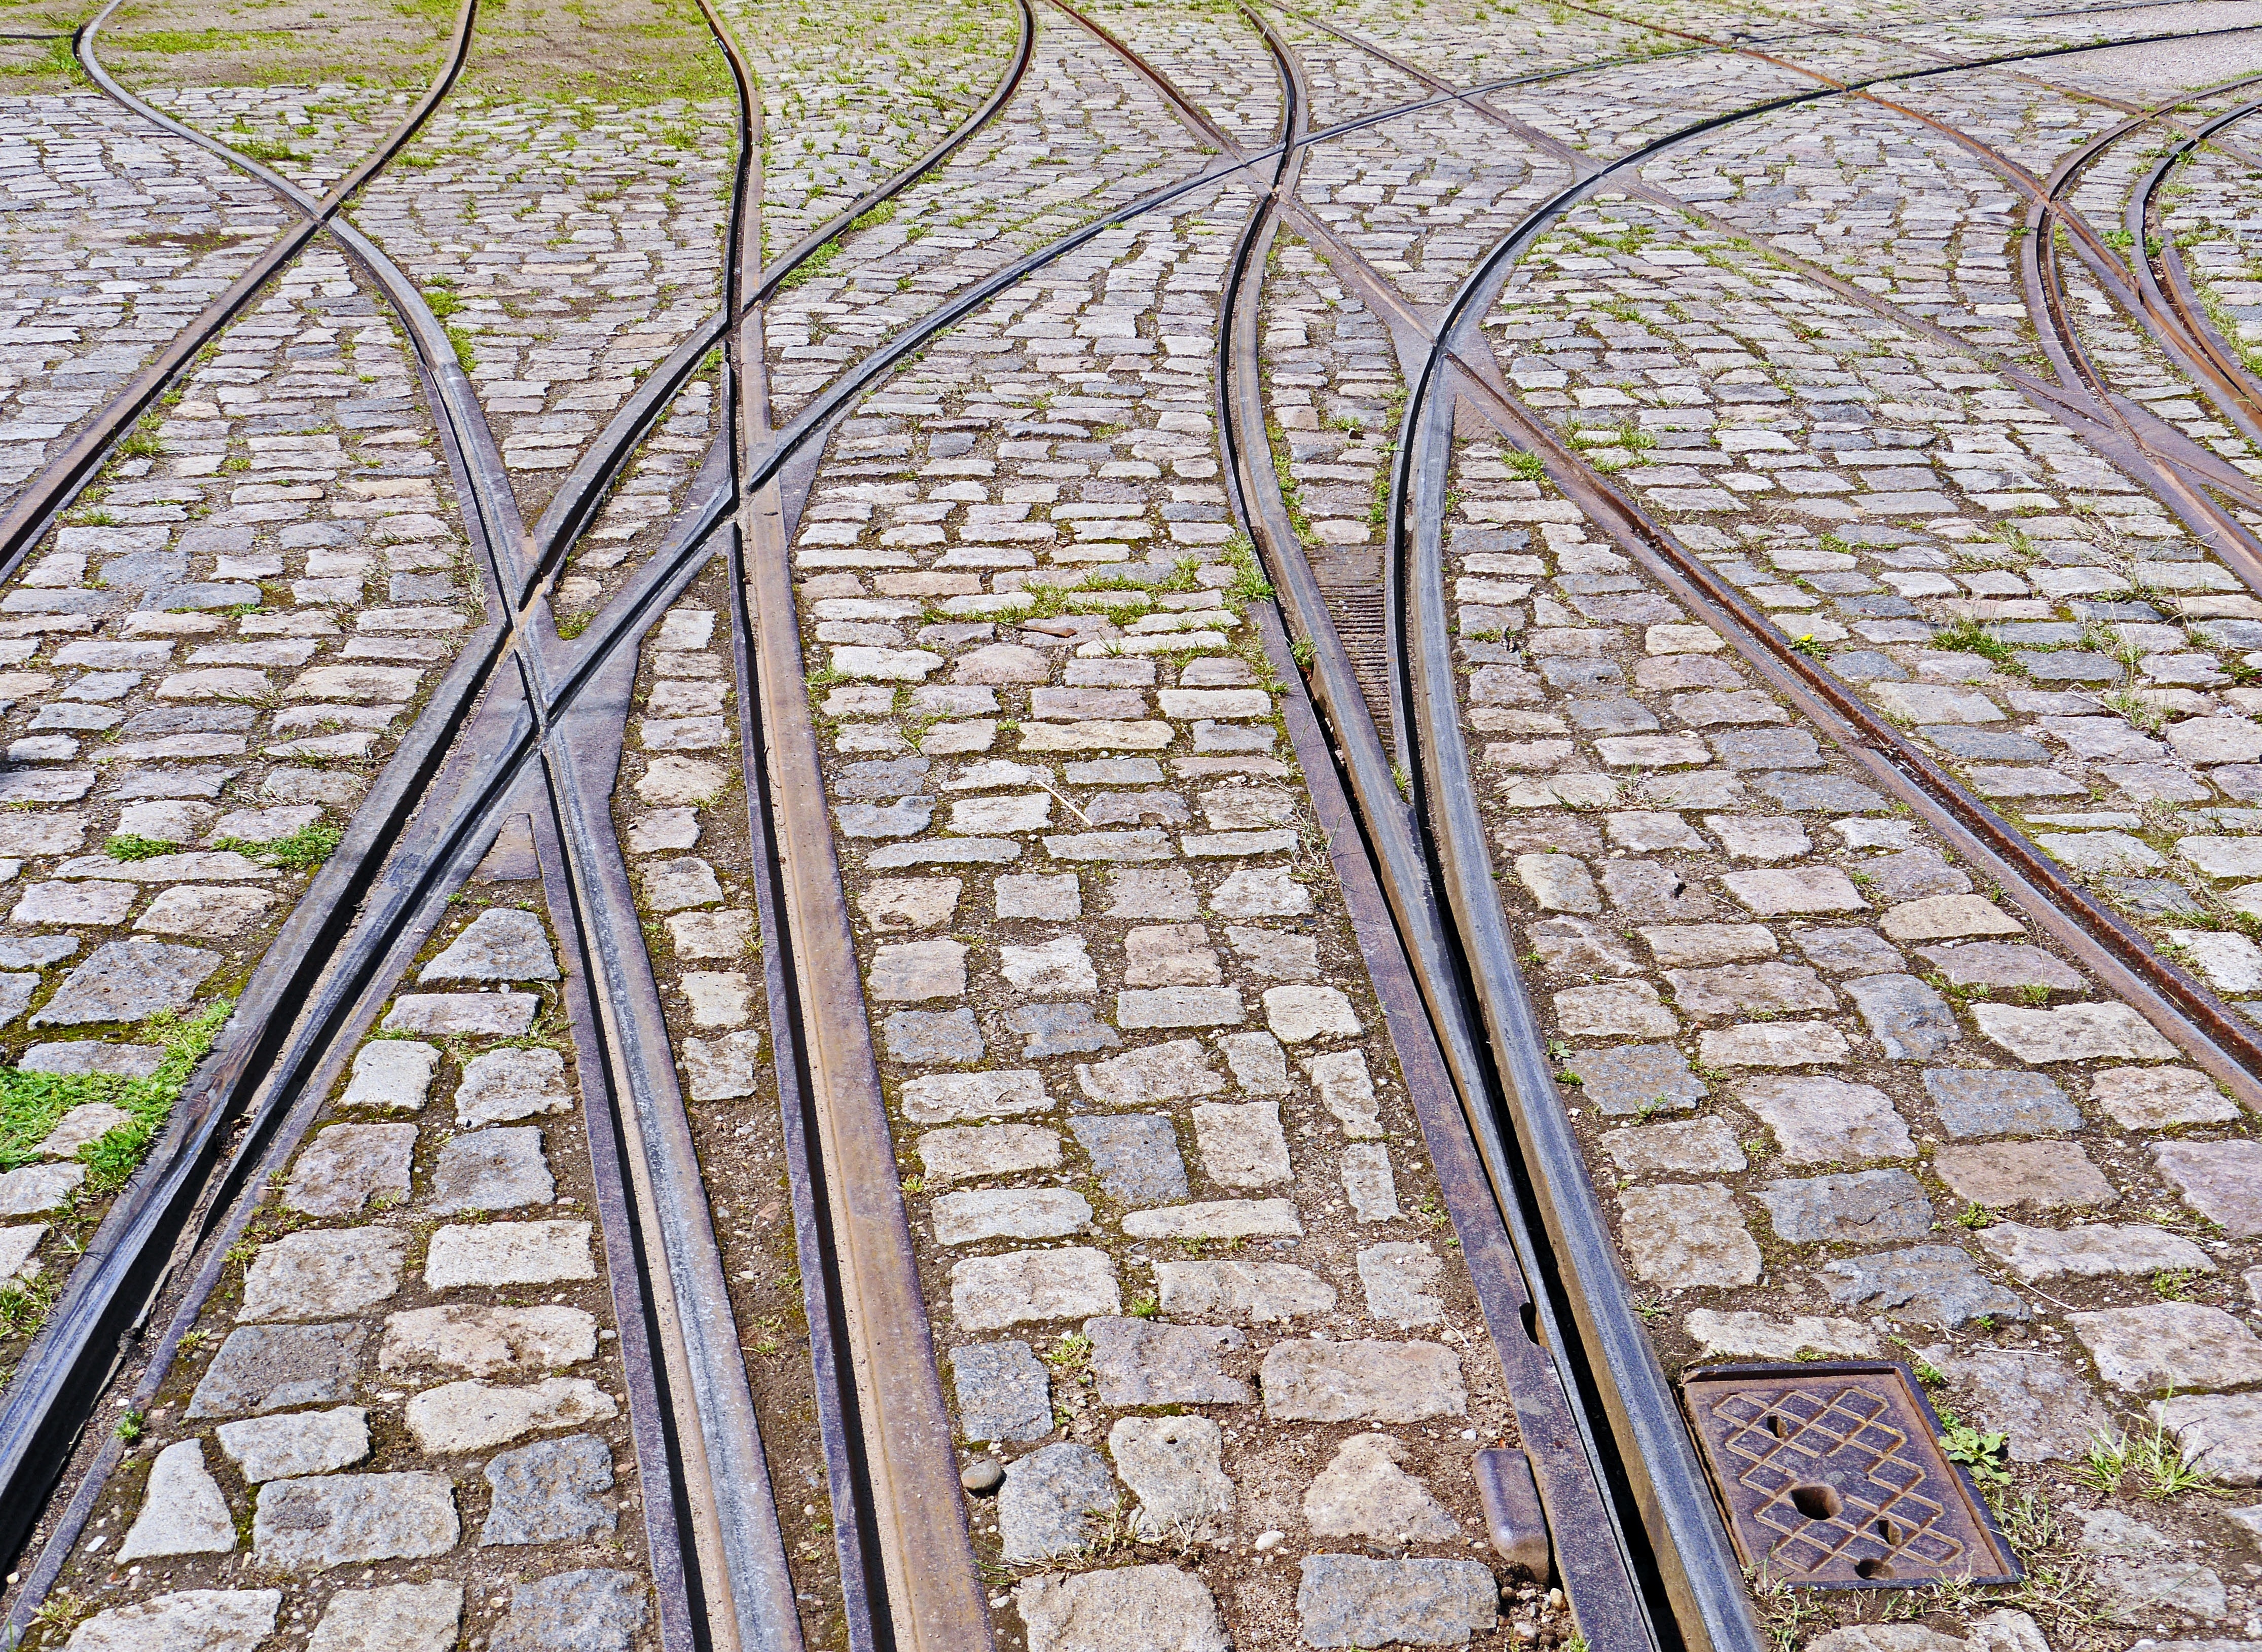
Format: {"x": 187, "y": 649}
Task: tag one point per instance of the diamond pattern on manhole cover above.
{"x": 1831, "y": 1476}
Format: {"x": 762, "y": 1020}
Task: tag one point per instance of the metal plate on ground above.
{"x": 1831, "y": 1476}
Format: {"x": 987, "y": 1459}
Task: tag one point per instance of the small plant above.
{"x": 1975, "y": 1216}
{"x": 1145, "y": 1307}
{"x": 129, "y": 1425}
{"x": 1968, "y": 636}
{"x": 571, "y": 625}
{"x": 125, "y": 846}
{"x": 1303, "y": 651}
{"x": 1529, "y": 467}
{"x": 2174, "y": 1284}
{"x": 1931, "y": 1375}
{"x": 1071, "y": 1353}
{"x": 1982, "y": 1454}
{"x": 2154, "y": 1456}
{"x": 1809, "y": 645}
{"x": 303, "y": 850}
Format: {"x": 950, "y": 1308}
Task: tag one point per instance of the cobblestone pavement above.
{"x": 1210, "y": 1331}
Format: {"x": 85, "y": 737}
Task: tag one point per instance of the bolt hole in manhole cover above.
{"x": 1831, "y": 1476}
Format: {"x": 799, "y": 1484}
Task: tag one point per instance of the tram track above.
{"x": 569, "y": 703}
{"x": 600, "y": 897}
{"x": 2193, "y": 1015}
{"x": 2227, "y": 1038}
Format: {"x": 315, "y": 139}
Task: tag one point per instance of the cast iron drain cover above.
{"x": 1831, "y": 1477}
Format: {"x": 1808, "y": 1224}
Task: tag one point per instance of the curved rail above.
{"x": 585, "y": 484}
{"x": 44, "y": 499}
{"x": 1419, "y": 976}
{"x": 2230, "y": 385}
{"x": 341, "y": 945}
{"x": 129, "y": 1257}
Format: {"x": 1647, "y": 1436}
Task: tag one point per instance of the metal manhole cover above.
{"x": 1831, "y": 1476}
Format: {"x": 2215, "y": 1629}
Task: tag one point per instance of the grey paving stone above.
{"x": 1003, "y": 1392}
{"x": 353, "y": 1519}
{"x": 1398, "y": 1277}
{"x": 504, "y": 1085}
{"x": 1121, "y": 1609}
{"x": 592, "y": 1611}
{"x": 931, "y": 1035}
{"x": 392, "y": 1072}
{"x": 1985, "y": 1101}
{"x": 1346, "y": 1600}
{"x": 1052, "y": 1502}
{"x": 1147, "y": 1362}
{"x": 1693, "y": 1145}
{"x": 1257, "y": 1293}
{"x": 722, "y": 1069}
{"x": 502, "y": 944}
{"x": 1935, "y": 1284}
{"x": 2090, "y": 1250}
{"x": 128, "y": 981}
{"x": 126, "y": 1061}
{"x": 301, "y": 1443}
{"x": 391, "y": 1618}
{"x": 1633, "y": 1077}
{"x": 1010, "y": 1213}
{"x": 1156, "y": 1073}
{"x": 549, "y": 1492}
{"x": 2000, "y": 964}
{"x": 1361, "y": 1382}
{"x": 963, "y": 1152}
{"x": 497, "y": 1169}
{"x": 1061, "y": 1029}
{"x": 1869, "y": 1207}
{"x": 337, "y": 1271}
{"x": 1174, "y": 1469}
{"x": 2039, "y": 1400}
{"x": 483, "y": 1341}
{"x": 31, "y": 1189}
{"x": 1686, "y": 1234}
{"x": 2179, "y": 1345}
{"x": 990, "y": 1293}
{"x": 264, "y": 1368}
{"x": 185, "y": 1620}
{"x": 509, "y": 1253}
{"x": 183, "y": 1512}
{"x": 1136, "y": 1155}
{"x": 941, "y": 1097}
{"x": 2003, "y": 1175}
{"x": 1363, "y": 1492}
{"x": 1905, "y": 1015}
{"x": 470, "y": 1015}
{"x": 1847, "y": 951}
{"x": 2222, "y": 1432}
{"x": 2153, "y": 1098}
{"x": 347, "y": 1166}
{"x": 476, "y": 1415}
{"x": 2222, "y": 1181}
{"x": 1828, "y": 1120}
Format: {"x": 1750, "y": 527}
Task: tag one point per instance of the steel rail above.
{"x": 126, "y": 1263}
{"x": 899, "y": 1468}
{"x": 2230, "y": 384}
{"x": 2136, "y": 436}
{"x": 1705, "y": 1592}
{"x": 2219, "y": 529}
{"x": 592, "y": 475}
{"x": 83, "y": 1334}
{"x": 1417, "y": 973}
{"x": 49, "y": 493}
{"x": 2183, "y": 1007}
